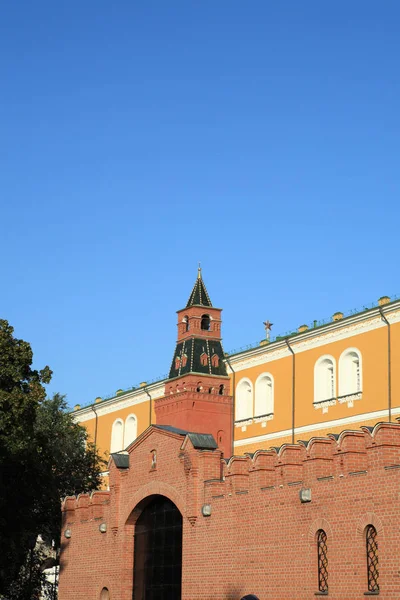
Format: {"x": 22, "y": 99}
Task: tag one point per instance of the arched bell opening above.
{"x": 205, "y": 322}
{"x": 186, "y": 323}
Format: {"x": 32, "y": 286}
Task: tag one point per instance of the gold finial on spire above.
{"x": 199, "y": 271}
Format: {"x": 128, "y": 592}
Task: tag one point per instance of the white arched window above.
{"x": 130, "y": 430}
{"x": 244, "y": 400}
{"x": 264, "y": 404}
{"x": 350, "y": 372}
{"x": 325, "y": 379}
{"x": 117, "y": 436}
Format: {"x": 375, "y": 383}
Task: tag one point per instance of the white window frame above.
{"x": 318, "y": 393}
{"x": 127, "y": 441}
{"x": 246, "y": 412}
{"x": 259, "y": 401}
{"x": 347, "y": 391}
{"x": 114, "y": 441}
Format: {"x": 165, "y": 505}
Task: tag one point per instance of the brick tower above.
{"x": 197, "y": 393}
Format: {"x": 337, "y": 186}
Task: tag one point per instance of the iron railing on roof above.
{"x": 313, "y": 325}
{"x": 291, "y": 333}
{"x": 133, "y": 388}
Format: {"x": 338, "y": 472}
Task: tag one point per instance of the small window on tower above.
{"x": 203, "y": 359}
{"x": 205, "y": 322}
{"x": 177, "y": 362}
{"x": 184, "y": 360}
{"x": 214, "y": 360}
{"x": 186, "y": 323}
{"x": 221, "y": 390}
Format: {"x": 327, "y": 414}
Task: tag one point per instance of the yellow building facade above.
{"x": 317, "y": 380}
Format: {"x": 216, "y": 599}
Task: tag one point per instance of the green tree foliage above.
{"x": 44, "y": 456}
{"x": 67, "y": 462}
{"x": 31, "y": 583}
{"x": 21, "y": 392}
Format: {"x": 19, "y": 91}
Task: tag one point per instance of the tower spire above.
{"x": 199, "y": 295}
{"x": 197, "y": 394}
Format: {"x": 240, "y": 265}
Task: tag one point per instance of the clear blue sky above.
{"x": 137, "y": 138}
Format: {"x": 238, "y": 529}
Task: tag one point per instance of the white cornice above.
{"x": 302, "y": 342}
{"x": 376, "y": 415}
{"x": 105, "y": 407}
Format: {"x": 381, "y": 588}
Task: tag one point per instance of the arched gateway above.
{"x": 158, "y": 552}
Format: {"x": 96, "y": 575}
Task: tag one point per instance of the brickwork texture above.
{"x": 261, "y": 536}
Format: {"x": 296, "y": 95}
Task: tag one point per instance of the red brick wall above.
{"x": 259, "y": 538}
{"x": 200, "y": 412}
{"x": 194, "y": 314}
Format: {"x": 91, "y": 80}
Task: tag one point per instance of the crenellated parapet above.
{"x": 262, "y": 512}
{"x": 363, "y": 451}
{"x": 237, "y": 472}
{"x": 319, "y": 462}
{"x": 85, "y": 507}
{"x": 204, "y": 475}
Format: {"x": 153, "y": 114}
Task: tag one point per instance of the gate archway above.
{"x": 158, "y": 552}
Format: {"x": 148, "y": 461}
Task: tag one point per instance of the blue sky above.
{"x": 137, "y": 138}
